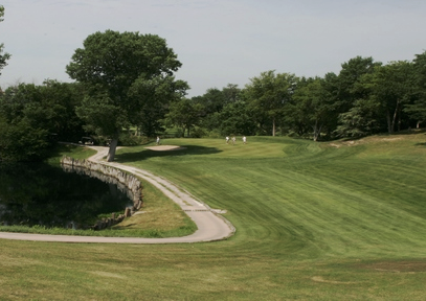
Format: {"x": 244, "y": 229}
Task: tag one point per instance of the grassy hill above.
{"x": 315, "y": 221}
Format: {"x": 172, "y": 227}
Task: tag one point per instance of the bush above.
{"x": 198, "y": 133}
{"x": 127, "y": 139}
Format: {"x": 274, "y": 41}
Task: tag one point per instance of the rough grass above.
{"x": 314, "y": 222}
{"x": 75, "y": 151}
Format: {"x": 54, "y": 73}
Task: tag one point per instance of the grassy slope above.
{"x": 314, "y": 221}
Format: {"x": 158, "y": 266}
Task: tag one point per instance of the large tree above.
{"x": 113, "y": 65}
{"x": 3, "y": 56}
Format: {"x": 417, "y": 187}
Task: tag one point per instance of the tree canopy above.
{"x": 122, "y": 72}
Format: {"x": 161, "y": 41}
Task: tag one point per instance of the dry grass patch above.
{"x": 320, "y": 279}
{"x": 108, "y": 275}
{"x": 7, "y": 261}
{"x": 396, "y": 266}
{"x": 155, "y": 219}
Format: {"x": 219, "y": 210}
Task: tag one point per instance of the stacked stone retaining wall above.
{"x": 108, "y": 174}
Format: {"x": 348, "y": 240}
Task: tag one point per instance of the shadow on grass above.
{"x": 147, "y": 153}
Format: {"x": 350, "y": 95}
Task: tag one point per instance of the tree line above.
{"x": 364, "y": 98}
{"x": 126, "y": 80}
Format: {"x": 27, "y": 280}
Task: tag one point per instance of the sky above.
{"x": 218, "y": 42}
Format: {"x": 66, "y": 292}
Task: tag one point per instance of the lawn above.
{"x": 315, "y": 221}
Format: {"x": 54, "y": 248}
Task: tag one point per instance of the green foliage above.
{"x": 313, "y": 106}
{"x": 33, "y": 117}
{"x": 20, "y": 141}
{"x": 267, "y": 95}
{"x": 128, "y": 139}
{"x": 124, "y": 73}
{"x": 184, "y": 115}
{"x": 236, "y": 119}
{"x": 360, "y": 120}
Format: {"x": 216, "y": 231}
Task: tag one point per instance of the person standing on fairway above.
{"x": 233, "y": 140}
{"x": 244, "y": 139}
{"x": 227, "y": 139}
{"x": 158, "y": 140}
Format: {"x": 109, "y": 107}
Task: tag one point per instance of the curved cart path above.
{"x": 211, "y": 225}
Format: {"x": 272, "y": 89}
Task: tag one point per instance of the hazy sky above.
{"x": 217, "y": 41}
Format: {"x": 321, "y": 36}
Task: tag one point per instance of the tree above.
{"x": 268, "y": 93}
{"x": 394, "y": 85}
{"x": 184, "y": 115}
{"x": 417, "y": 109}
{"x": 158, "y": 93}
{"x": 349, "y": 77}
{"x": 315, "y": 104}
{"x": 3, "y": 56}
{"x": 236, "y": 119}
{"x": 33, "y": 117}
{"x": 112, "y": 64}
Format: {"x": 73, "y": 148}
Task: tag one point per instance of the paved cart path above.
{"x": 211, "y": 225}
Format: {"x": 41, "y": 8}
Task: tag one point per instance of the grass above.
{"x": 75, "y": 151}
{"x": 315, "y": 221}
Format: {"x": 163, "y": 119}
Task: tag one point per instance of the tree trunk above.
{"x": 399, "y": 122}
{"x": 317, "y": 131}
{"x": 388, "y": 117}
{"x": 112, "y": 148}
{"x": 273, "y": 127}
{"x": 395, "y": 113}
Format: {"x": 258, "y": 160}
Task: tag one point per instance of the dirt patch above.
{"x": 165, "y": 148}
{"x": 396, "y": 266}
{"x": 391, "y": 139}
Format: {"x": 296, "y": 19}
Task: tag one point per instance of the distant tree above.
{"x": 394, "y": 85}
{"x": 184, "y": 114}
{"x": 231, "y": 94}
{"x": 268, "y": 93}
{"x": 212, "y": 101}
{"x": 361, "y": 120}
{"x": 236, "y": 119}
{"x": 417, "y": 108}
{"x": 158, "y": 93}
{"x": 3, "y": 56}
{"x": 111, "y": 65}
{"x": 349, "y": 76}
{"x": 315, "y": 105}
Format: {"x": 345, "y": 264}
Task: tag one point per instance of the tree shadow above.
{"x": 147, "y": 153}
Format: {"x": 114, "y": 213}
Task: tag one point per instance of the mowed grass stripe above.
{"x": 293, "y": 194}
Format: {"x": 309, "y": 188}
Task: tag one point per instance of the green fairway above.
{"x": 315, "y": 221}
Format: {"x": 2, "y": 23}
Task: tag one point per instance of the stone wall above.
{"x": 108, "y": 174}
